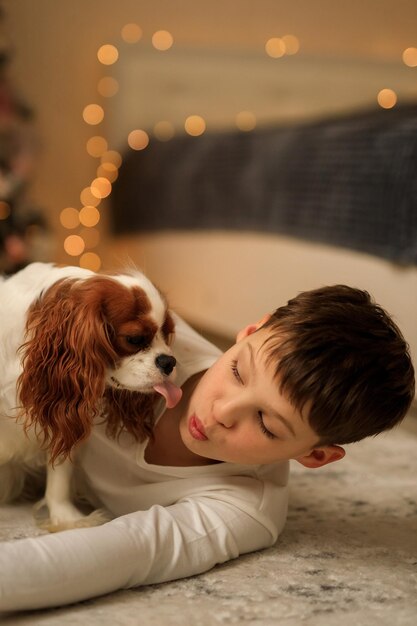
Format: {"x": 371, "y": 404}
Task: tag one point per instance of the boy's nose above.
{"x": 227, "y": 413}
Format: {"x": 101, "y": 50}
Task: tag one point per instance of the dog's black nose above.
{"x": 165, "y": 363}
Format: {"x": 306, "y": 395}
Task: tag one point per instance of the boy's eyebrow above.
{"x": 273, "y": 413}
{"x": 284, "y": 421}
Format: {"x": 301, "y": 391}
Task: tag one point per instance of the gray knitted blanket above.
{"x": 347, "y": 182}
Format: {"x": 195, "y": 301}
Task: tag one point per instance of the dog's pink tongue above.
{"x": 170, "y": 392}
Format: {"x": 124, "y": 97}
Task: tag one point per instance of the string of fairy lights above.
{"x": 85, "y": 222}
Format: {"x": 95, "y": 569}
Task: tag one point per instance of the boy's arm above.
{"x": 161, "y": 544}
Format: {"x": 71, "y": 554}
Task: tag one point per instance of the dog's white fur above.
{"x": 20, "y": 450}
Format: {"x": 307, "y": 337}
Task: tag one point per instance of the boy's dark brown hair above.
{"x": 339, "y": 353}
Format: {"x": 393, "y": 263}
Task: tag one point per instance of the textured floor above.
{"x": 348, "y": 555}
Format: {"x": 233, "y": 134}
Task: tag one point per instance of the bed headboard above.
{"x": 218, "y": 84}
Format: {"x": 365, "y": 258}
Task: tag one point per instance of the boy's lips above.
{"x": 196, "y": 429}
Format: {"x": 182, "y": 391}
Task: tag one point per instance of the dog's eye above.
{"x": 168, "y": 329}
{"x": 139, "y": 341}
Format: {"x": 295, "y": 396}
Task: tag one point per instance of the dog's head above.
{"x": 86, "y": 335}
{"x": 139, "y": 329}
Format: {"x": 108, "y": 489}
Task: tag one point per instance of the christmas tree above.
{"x": 20, "y": 220}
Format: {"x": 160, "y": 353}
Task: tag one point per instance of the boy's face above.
{"x": 236, "y": 412}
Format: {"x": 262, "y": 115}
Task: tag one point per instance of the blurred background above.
{"x": 237, "y": 151}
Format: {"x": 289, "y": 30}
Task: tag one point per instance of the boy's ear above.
{"x": 251, "y": 328}
{"x": 321, "y": 456}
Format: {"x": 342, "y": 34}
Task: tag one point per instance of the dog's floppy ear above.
{"x": 64, "y": 362}
{"x": 131, "y": 411}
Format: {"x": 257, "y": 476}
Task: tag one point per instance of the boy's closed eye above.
{"x": 265, "y": 431}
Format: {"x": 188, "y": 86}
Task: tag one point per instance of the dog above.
{"x": 75, "y": 346}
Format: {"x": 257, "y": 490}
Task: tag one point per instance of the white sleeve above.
{"x": 161, "y": 544}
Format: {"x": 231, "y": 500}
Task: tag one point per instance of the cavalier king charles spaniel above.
{"x": 76, "y": 346}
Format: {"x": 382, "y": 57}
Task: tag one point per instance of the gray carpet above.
{"x": 348, "y": 555}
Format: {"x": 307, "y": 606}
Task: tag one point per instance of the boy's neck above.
{"x": 167, "y": 447}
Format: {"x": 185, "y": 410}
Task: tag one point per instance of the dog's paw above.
{"x": 66, "y": 516}
{"x": 95, "y": 518}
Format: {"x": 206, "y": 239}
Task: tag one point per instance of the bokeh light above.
{"x": 90, "y": 261}
{"x": 387, "y": 98}
{"x": 108, "y": 86}
{"x": 108, "y": 170}
{"x": 131, "y": 33}
{"x": 89, "y": 216}
{"x": 162, "y": 40}
{"x": 101, "y": 187}
{"x": 410, "y": 57}
{"x": 275, "y": 47}
{"x": 93, "y": 114}
{"x": 108, "y": 54}
{"x": 138, "y": 139}
{"x": 91, "y": 237}
{"x": 69, "y": 218}
{"x": 164, "y": 131}
{"x": 195, "y": 125}
{"x": 88, "y": 199}
{"x": 245, "y": 120}
{"x": 74, "y": 245}
{"x": 96, "y": 146}
{"x": 291, "y": 43}
{"x": 112, "y": 156}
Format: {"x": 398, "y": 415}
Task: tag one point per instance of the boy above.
{"x": 328, "y": 368}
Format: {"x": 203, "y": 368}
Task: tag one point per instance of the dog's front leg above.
{"x": 63, "y": 514}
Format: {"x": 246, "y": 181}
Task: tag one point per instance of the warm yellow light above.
{"x": 275, "y": 47}
{"x": 89, "y": 216}
{"x": 108, "y": 54}
{"x": 162, "y": 40}
{"x": 112, "y": 156}
{"x": 91, "y": 237}
{"x": 108, "y": 170}
{"x": 387, "y": 98}
{"x": 107, "y": 86}
{"x": 93, "y": 114}
{"x": 164, "y": 131}
{"x": 291, "y": 43}
{"x": 69, "y": 218}
{"x": 4, "y": 210}
{"x": 195, "y": 125}
{"x": 96, "y": 146}
{"x": 245, "y": 120}
{"x": 90, "y": 261}
{"x": 410, "y": 57}
{"x": 131, "y": 33}
{"x": 88, "y": 199}
{"x": 100, "y": 187}
{"x": 74, "y": 245}
{"x": 138, "y": 139}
